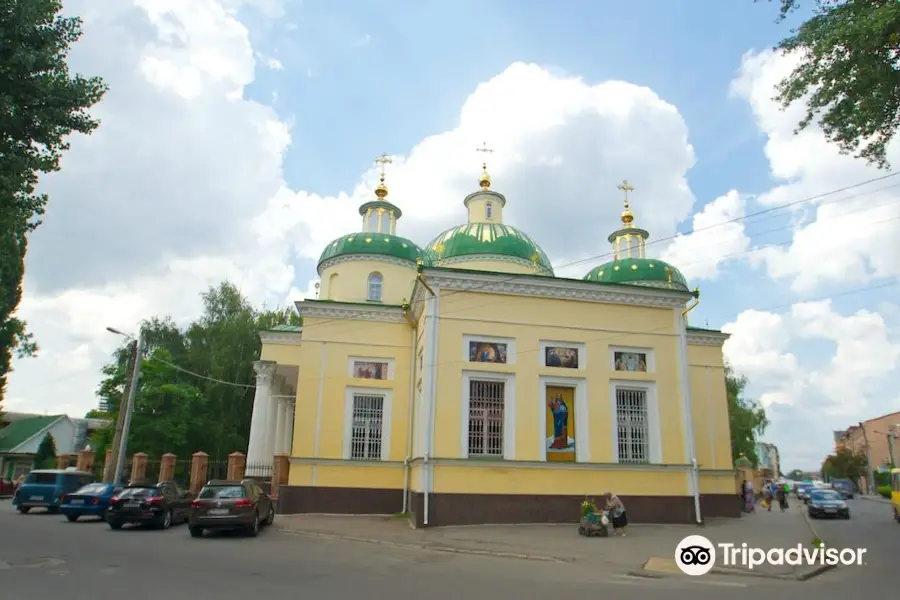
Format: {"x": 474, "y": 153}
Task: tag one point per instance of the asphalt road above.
{"x": 44, "y": 556}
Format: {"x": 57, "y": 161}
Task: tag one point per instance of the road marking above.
{"x": 668, "y": 581}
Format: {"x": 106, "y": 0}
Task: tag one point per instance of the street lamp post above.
{"x": 129, "y": 403}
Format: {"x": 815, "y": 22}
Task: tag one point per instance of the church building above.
{"x": 465, "y": 383}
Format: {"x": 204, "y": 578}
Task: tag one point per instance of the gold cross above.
{"x": 625, "y": 187}
{"x": 383, "y": 160}
{"x": 484, "y": 148}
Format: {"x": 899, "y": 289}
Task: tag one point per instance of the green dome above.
{"x": 372, "y": 243}
{"x": 639, "y": 271}
{"x": 480, "y": 239}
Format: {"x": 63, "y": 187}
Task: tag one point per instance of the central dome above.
{"x": 486, "y": 241}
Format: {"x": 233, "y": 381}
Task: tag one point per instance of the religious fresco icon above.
{"x": 630, "y": 361}
{"x": 487, "y": 352}
{"x": 365, "y": 369}
{"x": 559, "y": 356}
{"x": 560, "y": 424}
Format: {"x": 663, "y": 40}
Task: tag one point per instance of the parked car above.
{"x": 827, "y": 503}
{"x": 7, "y": 487}
{"x": 45, "y": 488}
{"x": 231, "y": 505}
{"x": 90, "y": 501}
{"x": 156, "y": 504}
{"x": 803, "y": 491}
{"x": 843, "y": 486}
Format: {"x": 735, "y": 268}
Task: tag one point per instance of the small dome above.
{"x": 646, "y": 272}
{"x": 485, "y": 239}
{"x": 372, "y": 243}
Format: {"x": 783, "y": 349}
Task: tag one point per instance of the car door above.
{"x": 183, "y": 500}
{"x": 264, "y": 501}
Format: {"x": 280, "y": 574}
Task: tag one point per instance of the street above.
{"x": 43, "y": 556}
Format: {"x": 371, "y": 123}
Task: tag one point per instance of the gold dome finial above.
{"x": 627, "y": 215}
{"x": 485, "y": 180}
{"x": 381, "y": 191}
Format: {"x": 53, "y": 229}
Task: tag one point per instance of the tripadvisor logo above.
{"x": 696, "y": 555}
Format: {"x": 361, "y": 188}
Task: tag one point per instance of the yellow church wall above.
{"x": 328, "y": 348}
{"x": 510, "y": 479}
{"x": 719, "y": 483}
{"x": 300, "y": 475}
{"x": 529, "y": 321}
{"x": 712, "y": 431}
{"x": 284, "y": 354}
{"x": 348, "y": 281}
{"x": 494, "y": 266}
{"x": 372, "y": 475}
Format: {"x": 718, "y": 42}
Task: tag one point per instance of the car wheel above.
{"x": 196, "y": 531}
{"x": 270, "y": 518}
{"x": 72, "y": 518}
{"x": 114, "y": 524}
{"x": 166, "y": 521}
{"x": 24, "y": 509}
{"x": 253, "y": 529}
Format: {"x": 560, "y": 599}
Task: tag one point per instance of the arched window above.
{"x": 488, "y": 210}
{"x": 375, "y": 287}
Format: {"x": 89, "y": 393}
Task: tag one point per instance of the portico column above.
{"x": 256, "y": 449}
{"x": 279, "y": 424}
{"x": 271, "y": 424}
{"x": 286, "y": 426}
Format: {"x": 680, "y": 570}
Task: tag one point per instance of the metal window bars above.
{"x": 366, "y": 428}
{"x": 486, "y": 409}
{"x": 633, "y": 425}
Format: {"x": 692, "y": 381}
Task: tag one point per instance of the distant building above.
{"x": 769, "y": 460}
{"x": 870, "y": 439}
{"x": 22, "y": 433}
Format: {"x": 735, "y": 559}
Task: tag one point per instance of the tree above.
{"x": 746, "y": 417}
{"x": 795, "y": 475}
{"x": 41, "y": 104}
{"x": 845, "y": 464}
{"x": 45, "y": 457}
{"x": 848, "y": 73}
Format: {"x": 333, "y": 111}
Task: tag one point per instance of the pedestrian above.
{"x": 781, "y": 494}
{"x": 768, "y": 495}
{"x": 617, "y": 511}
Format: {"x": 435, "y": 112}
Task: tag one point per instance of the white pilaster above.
{"x": 284, "y": 439}
{"x": 289, "y": 436}
{"x": 256, "y": 449}
{"x": 280, "y": 422}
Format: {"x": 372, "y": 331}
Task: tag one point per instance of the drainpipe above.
{"x": 409, "y": 412}
{"x": 432, "y": 351}
{"x": 688, "y": 409}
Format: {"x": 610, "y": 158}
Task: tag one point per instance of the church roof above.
{"x": 485, "y": 239}
{"x": 372, "y": 243}
{"x": 639, "y": 271}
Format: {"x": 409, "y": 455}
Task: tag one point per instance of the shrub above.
{"x": 884, "y": 490}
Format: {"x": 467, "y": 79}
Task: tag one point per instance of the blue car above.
{"x": 90, "y": 501}
{"x": 45, "y": 488}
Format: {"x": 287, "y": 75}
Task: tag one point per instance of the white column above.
{"x": 280, "y": 422}
{"x": 289, "y": 430}
{"x": 256, "y": 449}
{"x": 271, "y": 425}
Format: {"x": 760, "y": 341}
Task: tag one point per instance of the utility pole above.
{"x": 110, "y": 468}
{"x": 129, "y": 408}
{"x": 891, "y": 436}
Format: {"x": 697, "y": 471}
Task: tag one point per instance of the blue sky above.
{"x": 240, "y": 134}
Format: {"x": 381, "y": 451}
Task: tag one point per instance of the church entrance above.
{"x": 560, "y": 403}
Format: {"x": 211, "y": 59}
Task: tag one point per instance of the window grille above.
{"x": 633, "y": 425}
{"x": 486, "y": 399}
{"x": 374, "y": 287}
{"x": 488, "y": 210}
{"x": 365, "y": 429}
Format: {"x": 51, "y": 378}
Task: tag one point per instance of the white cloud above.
{"x": 857, "y": 230}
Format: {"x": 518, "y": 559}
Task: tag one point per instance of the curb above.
{"x": 878, "y": 499}
{"x": 427, "y": 547}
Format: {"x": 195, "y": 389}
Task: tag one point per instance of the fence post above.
{"x": 199, "y": 466}
{"x": 167, "y": 467}
{"x": 279, "y": 473}
{"x": 62, "y": 461}
{"x": 138, "y": 467}
{"x": 85, "y": 460}
{"x": 237, "y": 462}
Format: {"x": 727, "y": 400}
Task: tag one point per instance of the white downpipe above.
{"x": 687, "y": 410}
{"x": 409, "y": 420}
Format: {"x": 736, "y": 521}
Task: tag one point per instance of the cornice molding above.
{"x": 382, "y": 258}
{"x": 544, "y": 287}
{"x": 706, "y": 338}
{"x": 354, "y": 312}
{"x": 287, "y": 338}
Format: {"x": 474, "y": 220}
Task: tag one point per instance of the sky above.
{"x": 238, "y": 139}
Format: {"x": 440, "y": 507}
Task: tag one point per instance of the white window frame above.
{"x": 488, "y": 210}
{"x": 352, "y": 360}
{"x": 387, "y": 397}
{"x": 653, "y": 435}
{"x": 582, "y": 354}
{"x": 509, "y": 411}
{"x": 369, "y": 281}
{"x": 651, "y": 358}
{"x": 510, "y": 348}
{"x": 582, "y": 432}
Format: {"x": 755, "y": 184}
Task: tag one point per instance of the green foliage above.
{"x": 848, "y": 75}
{"x": 746, "y": 416}
{"x": 795, "y": 475}
{"x": 884, "y": 491}
{"x": 176, "y": 410}
{"x": 882, "y": 478}
{"x": 41, "y": 104}
{"x": 45, "y": 457}
{"x": 845, "y": 464}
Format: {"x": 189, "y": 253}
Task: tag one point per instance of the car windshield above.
{"x": 92, "y": 488}
{"x": 826, "y": 495}
{"x": 41, "y": 478}
{"x": 222, "y": 491}
{"x": 139, "y": 492}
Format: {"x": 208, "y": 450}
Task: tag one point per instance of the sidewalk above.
{"x": 561, "y": 543}
{"x": 875, "y": 499}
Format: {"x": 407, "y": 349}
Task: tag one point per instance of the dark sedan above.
{"x": 159, "y": 505}
{"x": 827, "y": 503}
{"x": 231, "y": 505}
